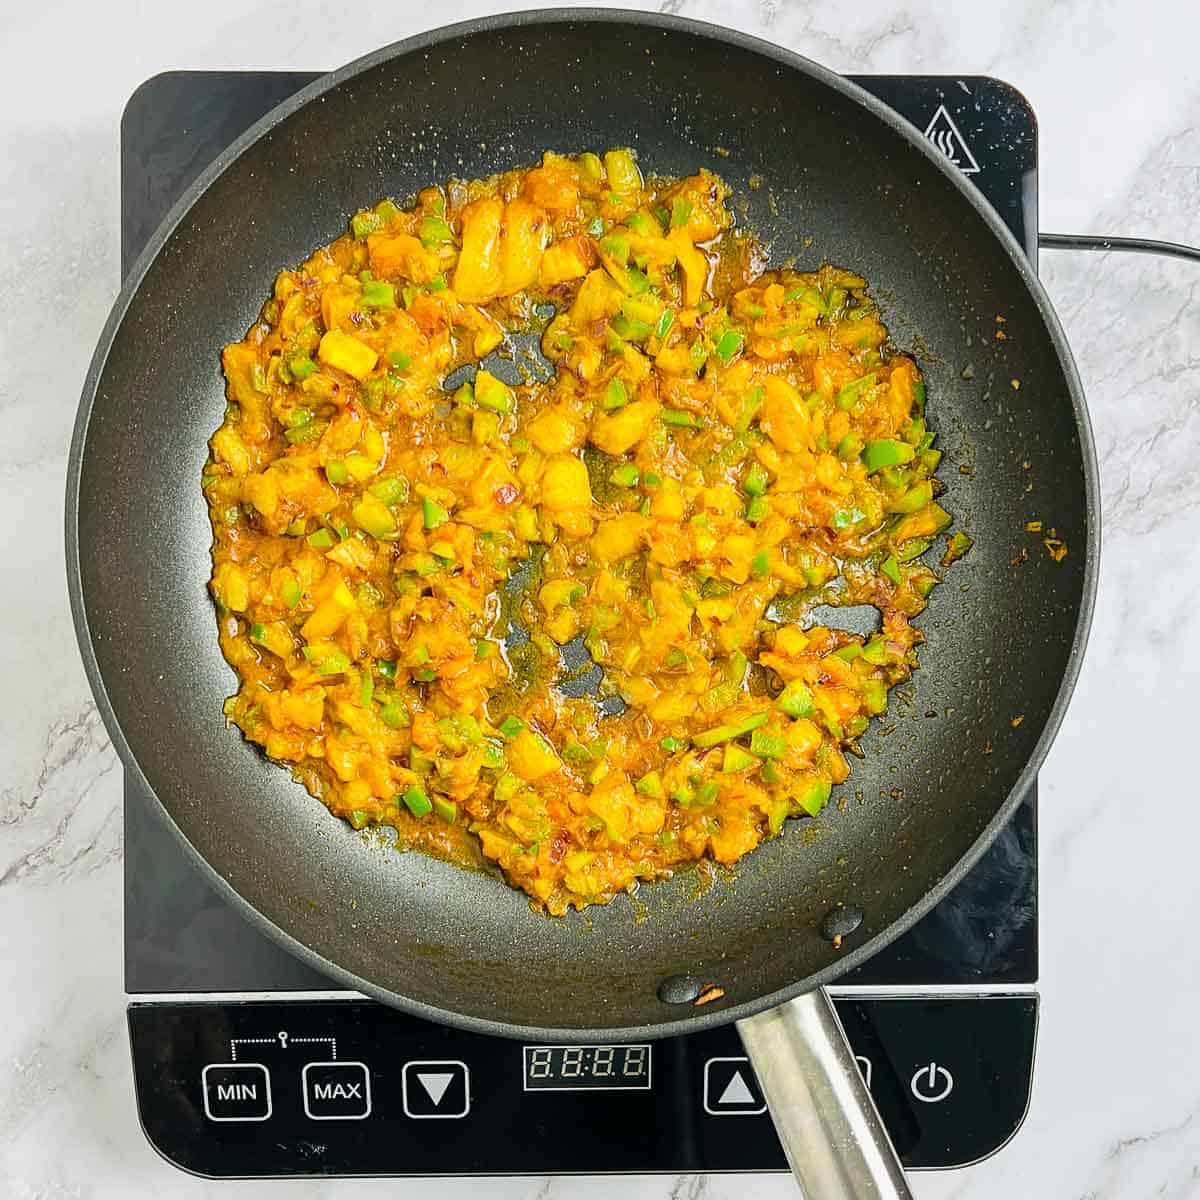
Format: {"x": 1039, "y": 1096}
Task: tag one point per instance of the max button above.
{"x": 336, "y": 1091}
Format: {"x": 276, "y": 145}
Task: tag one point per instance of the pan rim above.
{"x": 697, "y": 1020}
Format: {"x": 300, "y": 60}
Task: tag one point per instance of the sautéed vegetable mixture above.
{"x": 398, "y": 564}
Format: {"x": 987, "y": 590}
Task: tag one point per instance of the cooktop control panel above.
{"x": 345, "y": 1087}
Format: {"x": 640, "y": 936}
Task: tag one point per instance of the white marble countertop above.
{"x": 1117, "y": 92}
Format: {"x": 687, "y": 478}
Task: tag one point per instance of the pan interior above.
{"x": 833, "y": 182}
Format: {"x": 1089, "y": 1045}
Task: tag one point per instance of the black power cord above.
{"x": 1083, "y": 241}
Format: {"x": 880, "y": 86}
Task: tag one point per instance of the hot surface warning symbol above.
{"x": 944, "y": 134}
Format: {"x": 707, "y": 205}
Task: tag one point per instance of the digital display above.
{"x": 587, "y": 1068}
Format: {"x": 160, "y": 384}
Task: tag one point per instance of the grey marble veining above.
{"x": 1116, "y": 1102}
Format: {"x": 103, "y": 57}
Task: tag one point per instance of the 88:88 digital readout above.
{"x": 567, "y": 1068}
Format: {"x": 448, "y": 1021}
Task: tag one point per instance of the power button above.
{"x": 931, "y": 1083}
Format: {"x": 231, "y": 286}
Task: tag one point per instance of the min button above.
{"x": 236, "y": 1092}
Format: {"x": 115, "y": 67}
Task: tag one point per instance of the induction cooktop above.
{"x": 249, "y": 1063}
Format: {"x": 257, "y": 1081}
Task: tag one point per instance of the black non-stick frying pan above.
{"x": 842, "y": 180}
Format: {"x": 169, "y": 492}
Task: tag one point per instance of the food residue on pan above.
{"x": 720, "y": 449}
{"x": 957, "y": 545}
{"x": 1055, "y": 546}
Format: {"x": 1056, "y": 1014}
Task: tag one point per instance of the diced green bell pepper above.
{"x": 844, "y": 518}
{"x": 645, "y": 224}
{"x": 725, "y": 733}
{"x": 364, "y": 223}
{"x": 875, "y": 696}
{"x": 374, "y": 517}
{"x": 757, "y": 478}
{"x": 850, "y": 447}
{"x": 433, "y": 231}
{"x": 679, "y": 419}
{"x": 956, "y": 546}
{"x": 757, "y": 509}
{"x": 511, "y": 726}
{"x": 728, "y": 345}
{"x": 650, "y": 785}
{"x": 814, "y": 796}
{"x": 796, "y": 699}
{"x": 886, "y": 452}
{"x": 325, "y": 661}
{"x": 616, "y": 247}
{"x": 748, "y": 409}
{"x": 914, "y": 499}
{"x": 506, "y": 787}
{"x": 736, "y": 759}
{"x": 394, "y": 714}
{"x": 433, "y": 513}
{"x": 615, "y": 395}
{"x": 390, "y": 491}
{"x": 417, "y": 802}
{"x": 913, "y": 548}
{"x": 848, "y": 396}
{"x": 301, "y": 367}
{"x": 377, "y": 294}
{"x": 766, "y": 744}
{"x": 875, "y": 651}
{"x": 492, "y": 393}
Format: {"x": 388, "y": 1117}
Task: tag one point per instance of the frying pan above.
{"x": 840, "y": 178}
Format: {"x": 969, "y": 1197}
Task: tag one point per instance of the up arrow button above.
{"x": 731, "y": 1088}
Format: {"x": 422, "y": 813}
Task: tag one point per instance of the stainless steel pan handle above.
{"x": 831, "y": 1133}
